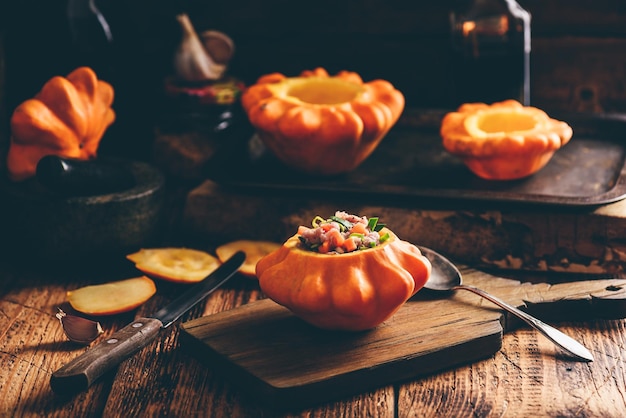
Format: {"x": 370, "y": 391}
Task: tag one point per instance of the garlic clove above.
{"x": 78, "y": 329}
{"x": 192, "y": 61}
{"x": 218, "y": 45}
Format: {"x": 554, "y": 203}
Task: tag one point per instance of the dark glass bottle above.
{"x": 91, "y": 37}
{"x": 490, "y": 52}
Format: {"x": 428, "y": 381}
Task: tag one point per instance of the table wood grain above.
{"x": 527, "y": 377}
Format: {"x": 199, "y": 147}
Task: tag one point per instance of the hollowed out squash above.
{"x": 322, "y": 124}
{"x": 505, "y": 140}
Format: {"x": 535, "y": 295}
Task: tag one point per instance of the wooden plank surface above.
{"x": 577, "y": 242}
{"x": 526, "y": 377}
{"x": 282, "y": 361}
{"x": 526, "y": 382}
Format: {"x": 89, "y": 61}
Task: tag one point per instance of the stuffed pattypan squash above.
{"x": 344, "y": 273}
{"x": 68, "y": 118}
{"x": 320, "y": 124}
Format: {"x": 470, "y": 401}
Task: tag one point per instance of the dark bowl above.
{"x": 38, "y": 223}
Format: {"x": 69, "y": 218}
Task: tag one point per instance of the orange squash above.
{"x": 112, "y": 297}
{"x": 321, "y": 124}
{"x": 352, "y": 291}
{"x": 505, "y": 140}
{"x": 175, "y": 264}
{"x": 68, "y": 118}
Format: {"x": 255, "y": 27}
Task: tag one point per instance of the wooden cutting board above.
{"x": 279, "y": 359}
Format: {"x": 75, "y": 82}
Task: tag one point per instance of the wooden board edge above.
{"x": 285, "y": 399}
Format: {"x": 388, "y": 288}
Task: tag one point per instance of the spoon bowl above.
{"x": 445, "y": 276}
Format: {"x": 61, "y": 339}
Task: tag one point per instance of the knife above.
{"x": 80, "y": 373}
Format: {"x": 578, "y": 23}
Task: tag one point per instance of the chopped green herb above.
{"x": 343, "y": 224}
{"x": 384, "y": 237}
{"x": 371, "y": 224}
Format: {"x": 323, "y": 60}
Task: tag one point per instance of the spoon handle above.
{"x": 567, "y": 343}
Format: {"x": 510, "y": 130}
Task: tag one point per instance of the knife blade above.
{"x": 81, "y": 372}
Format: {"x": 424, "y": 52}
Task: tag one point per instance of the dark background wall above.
{"x": 578, "y": 60}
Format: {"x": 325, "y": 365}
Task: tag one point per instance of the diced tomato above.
{"x": 349, "y": 244}
{"x": 324, "y": 248}
{"x": 359, "y": 228}
{"x": 335, "y": 238}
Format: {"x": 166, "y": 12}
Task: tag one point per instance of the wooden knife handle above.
{"x": 80, "y": 373}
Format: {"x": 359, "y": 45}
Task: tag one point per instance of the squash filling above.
{"x": 342, "y": 233}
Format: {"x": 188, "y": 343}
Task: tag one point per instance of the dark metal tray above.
{"x": 411, "y": 164}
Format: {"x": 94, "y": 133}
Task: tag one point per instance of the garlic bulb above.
{"x": 78, "y": 329}
{"x": 218, "y": 45}
{"x": 192, "y": 62}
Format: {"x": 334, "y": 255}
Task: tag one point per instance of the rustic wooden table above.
{"x": 526, "y": 377}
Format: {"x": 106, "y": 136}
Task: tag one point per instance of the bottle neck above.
{"x": 490, "y": 52}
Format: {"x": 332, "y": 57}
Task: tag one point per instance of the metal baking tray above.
{"x": 411, "y": 164}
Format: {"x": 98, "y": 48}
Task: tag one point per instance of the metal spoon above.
{"x": 445, "y": 277}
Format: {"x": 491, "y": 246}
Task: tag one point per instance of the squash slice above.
{"x": 181, "y": 265}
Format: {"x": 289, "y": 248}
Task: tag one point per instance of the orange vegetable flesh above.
{"x": 359, "y": 228}
{"x": 504, "y": 140}
{"x": 350, "y": 244}
{"x": 181, "y": 265}
{"x": 113, "y": 297}
{"x": 68, "y": 117}
{"x": 255, "y": 250}
{"x": 322, "y": 124}
{"x": 351, "y": 291}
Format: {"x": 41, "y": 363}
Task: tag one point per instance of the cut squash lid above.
{"x": 255, "y": 250}
{"x": 175, "y": 264}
